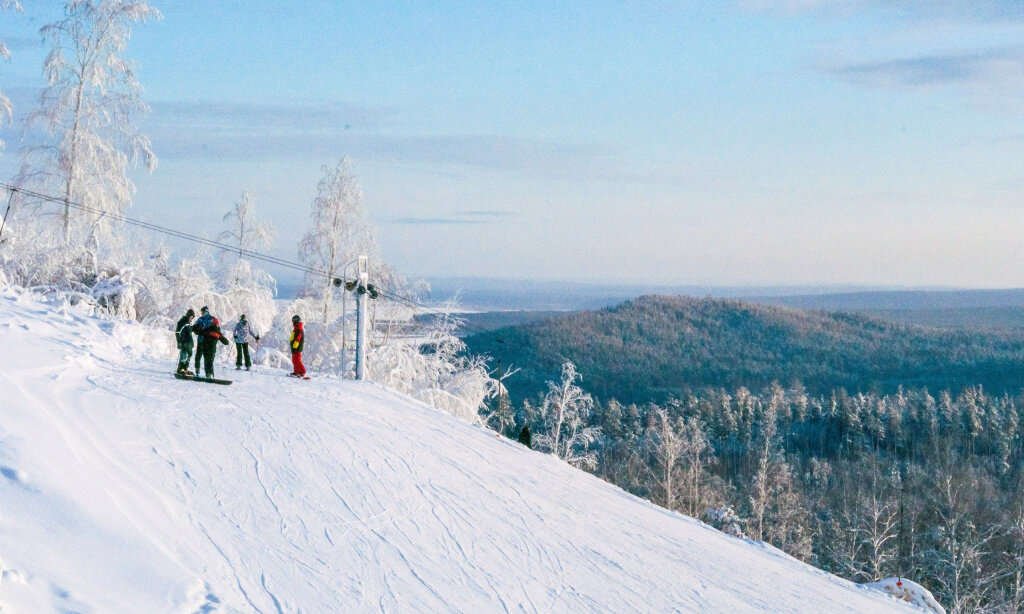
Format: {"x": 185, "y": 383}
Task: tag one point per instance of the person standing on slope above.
{"x": 296, "y": 343}
{"x": 525, "y": 438}
{"x": 243, "y": 332}
{"x": 204, "y": 320}
{"x": 207, "y": 329}
{"x": 183, "y": 334}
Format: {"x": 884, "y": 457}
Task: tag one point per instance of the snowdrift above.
{"x": 125, "y": 490}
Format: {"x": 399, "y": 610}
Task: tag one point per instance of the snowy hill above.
{"x": 125, "y": 490}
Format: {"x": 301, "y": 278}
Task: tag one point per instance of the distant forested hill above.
{"x": 655, "y": 348}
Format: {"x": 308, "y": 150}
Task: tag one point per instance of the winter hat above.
{"x": 205, "y": 309}
{"x": 296, "y": 319}
{"x": 241, "y": 318}
{"x": 190, "y": 313}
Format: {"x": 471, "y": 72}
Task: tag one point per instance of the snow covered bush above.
{"x": 73, "y": 274}
{"x": 435, "y": 370}
{"x": 726, "y": 520}
{"x": 908, "y": 591}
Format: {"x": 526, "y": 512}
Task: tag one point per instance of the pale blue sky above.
{"x": 733, "y": 142}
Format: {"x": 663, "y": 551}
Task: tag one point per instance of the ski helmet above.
{"x": 241, "y": 318}
{"x": 296, "y": 319}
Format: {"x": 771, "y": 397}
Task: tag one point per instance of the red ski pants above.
{"x": 297, "y": 367}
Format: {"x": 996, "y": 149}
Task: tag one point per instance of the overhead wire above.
{"x": 254, "y": 255}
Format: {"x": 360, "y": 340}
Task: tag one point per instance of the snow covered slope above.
{"x": 125, "y": 490}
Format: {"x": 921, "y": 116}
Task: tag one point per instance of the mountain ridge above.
{"x": 654, "y": 348}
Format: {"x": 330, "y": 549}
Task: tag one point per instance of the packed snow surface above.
{"x": 123, "y": 489}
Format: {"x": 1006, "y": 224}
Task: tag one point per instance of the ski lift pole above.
{"x": 903, "y": 545}
{"x": 345, "y": 285}
{"x": 361, "y": 319}
{"x": 3, "y": 224}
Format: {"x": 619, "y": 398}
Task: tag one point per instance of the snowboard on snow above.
{"x": 298, "y": 376}
{"x": 194, "y": 378}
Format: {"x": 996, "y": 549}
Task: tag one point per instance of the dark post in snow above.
{"x": 361, "y": 318}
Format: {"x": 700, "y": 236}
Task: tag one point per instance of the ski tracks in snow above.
{"x": 276, "y": 495}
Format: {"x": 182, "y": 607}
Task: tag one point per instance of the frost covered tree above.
{"x": 6, "y": 110}
{"x": 338, "y": 234}
{"x": 87, "y": 112}
{"x": 776, "y": 511}
{"x": 878, "y": 529}
{"x": 246, "y": 288}
{"x": 245, "y": 232}
{"x": 566, "y": 409}
{"x": 666, "y": 446}
{"x": 960, "y": 544}
{"x": 437, "y": 372}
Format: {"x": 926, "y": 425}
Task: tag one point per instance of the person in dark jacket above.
{"x": 208, "y": 334}
{"x": 243, "y": 332}
{"x": 525, "y": 438}
{"x": 204, "y": 320}
{"x": 296, "y": 343}
{"x": 183, "y": 334}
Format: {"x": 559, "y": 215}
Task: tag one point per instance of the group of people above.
{"x": 208, "y": 334}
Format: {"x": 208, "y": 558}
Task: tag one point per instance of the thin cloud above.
{"x": 216, "y": 131}
{"x": 230, "y": 116}
{"x": 485, "y": 214}
{"x": 959, "y": 10}
{"x": 978, "y": 69}
{"x": 435, "y": 221}
{"x": 243, "y": 132}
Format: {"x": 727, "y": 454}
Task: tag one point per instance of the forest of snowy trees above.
{"x": 866, "y": 486}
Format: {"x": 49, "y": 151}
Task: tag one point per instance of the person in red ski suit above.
{"x": 296, "y": 344}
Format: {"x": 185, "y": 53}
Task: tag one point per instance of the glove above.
{"x": 223, "y": 340}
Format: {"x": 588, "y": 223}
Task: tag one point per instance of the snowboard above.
{"x": 298, "y": 376}
{"x": 223, "y": 382}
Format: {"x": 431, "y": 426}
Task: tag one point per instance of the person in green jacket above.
{"x": 183, "y": 334}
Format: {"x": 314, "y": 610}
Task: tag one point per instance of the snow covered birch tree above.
{"x": 338, "y": 235}
{"x": 666, "y": 446}
{"x": 247, "y": 288}
{"x": 87, "y": 111}
{"x": 5, "y": 103}
{"x": 566, "y": 409}
{"x": 244, "y": 231}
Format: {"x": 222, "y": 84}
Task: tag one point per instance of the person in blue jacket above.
{"x": 207, "y": 330}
